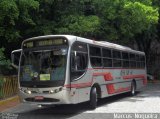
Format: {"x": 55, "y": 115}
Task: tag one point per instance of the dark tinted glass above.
{"x": 116, "y": 54}
{"x": 117, "y": 63}
{"x": 107, "y": 53}
{"x": 78, "y": 46}
{"x": 107, "y": 62}
{"x": 95, "y": 51}
{"x": 132, "y": 57}
{"x": 96, "y": 62}
{"x": 125, "y": 55}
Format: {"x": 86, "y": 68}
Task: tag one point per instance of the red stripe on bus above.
{"x": 122, "y": 89}
{"x": 142, "y": 76}
{"x": 112, "y": 90}
{"x": 79, "y": 85}
{"x": 107, "y": 75}
{"x": 134, "y": 76}
{"x": 116, "y": 68}
{"x": 99, "y": 73}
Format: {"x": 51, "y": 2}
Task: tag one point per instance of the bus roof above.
{"x": 73, "y": 38}
{"x": 109, "y": 45}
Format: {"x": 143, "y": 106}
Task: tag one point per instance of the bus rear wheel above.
{"x": 133, "y": 88}
{"x": 93, "y": 98}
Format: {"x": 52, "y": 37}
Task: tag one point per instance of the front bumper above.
{"x": 61, "y": 97}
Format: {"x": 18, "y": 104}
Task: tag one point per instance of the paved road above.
{"x": 146, "y": 101}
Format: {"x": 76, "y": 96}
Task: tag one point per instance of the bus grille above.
{"x": 44, "y": 100}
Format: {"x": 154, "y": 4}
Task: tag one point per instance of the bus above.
{"x": 67, "y": 69}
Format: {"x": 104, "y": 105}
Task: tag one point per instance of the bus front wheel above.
{"x": 93, "y": 98}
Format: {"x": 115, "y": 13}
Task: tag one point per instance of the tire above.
{"x": 133, "y": 88}
{"x": 93, "y": 98}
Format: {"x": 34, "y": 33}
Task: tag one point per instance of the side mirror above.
{"x": 15, "y": 56}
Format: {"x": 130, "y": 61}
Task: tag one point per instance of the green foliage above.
{"x": 80, "y": 25}
{"x": 16, "y": 16}
{"x": 9, "y": 14}
{"x": 112, "y": 20}
{"x": 8, "y": 11}
{"x": 26, "y": 7}
{"x": 123, "y": 19}
{"x": 137, "y": 17}
{"x": 4, "y": 63}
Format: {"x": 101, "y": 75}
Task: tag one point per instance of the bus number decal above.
{"x": 126, "y": 72}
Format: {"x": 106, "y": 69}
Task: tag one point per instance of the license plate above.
{"x": 39, "y": 98}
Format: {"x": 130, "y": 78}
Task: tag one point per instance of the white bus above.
{"x": 66, "y": 69}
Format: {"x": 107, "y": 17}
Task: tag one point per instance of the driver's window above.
{"x": 79, "y": 59}
{"x": 73, "y": 65}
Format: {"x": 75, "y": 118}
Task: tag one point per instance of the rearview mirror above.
{"x": 15, "y": 56}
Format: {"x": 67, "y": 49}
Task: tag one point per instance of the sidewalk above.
{"x": 154, "y": 81}
{"x": 8, "y": 103}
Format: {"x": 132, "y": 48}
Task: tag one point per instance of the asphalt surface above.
{"x": 145, "y": 101}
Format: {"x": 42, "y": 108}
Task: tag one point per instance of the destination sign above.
{"x": 45, "y": 42}
{"x": 29, "y": 44}
{"x": 50, "y": 42}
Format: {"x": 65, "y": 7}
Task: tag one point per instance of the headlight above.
{"x": 51, "y": 91}
{"x": 27, "y": 91}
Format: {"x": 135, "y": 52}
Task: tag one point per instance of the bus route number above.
{"x": 125, "y": 72}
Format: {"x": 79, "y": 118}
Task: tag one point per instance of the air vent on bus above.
{"x": 44, "y": 100}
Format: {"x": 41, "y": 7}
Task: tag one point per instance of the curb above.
{"x": 154, "y": 82}
{"x": 9, "y": 102}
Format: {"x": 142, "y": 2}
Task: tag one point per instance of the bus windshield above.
{"x": 43, "y": 65}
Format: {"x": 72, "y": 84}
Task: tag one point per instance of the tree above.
{"x": 4, "y": 62}
{"x": 9, "y": 14}
{"x": 85, "y": 26}
{"x": 16, "y": 19}
{"x": 119, "y": 21}
{"x": 123, "y": 19}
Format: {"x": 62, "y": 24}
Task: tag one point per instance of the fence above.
{"x": 8, "y": 86}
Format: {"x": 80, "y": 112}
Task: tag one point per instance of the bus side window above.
{"x": 125, "y": 59}
{"x": 95, "y": 56}
{"x": 117, "y": 60}
{"x": 132, "y": 60}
